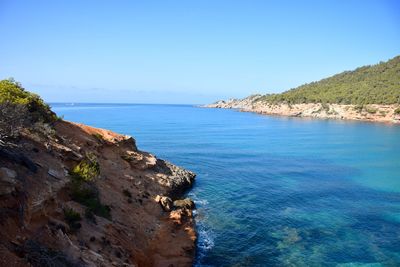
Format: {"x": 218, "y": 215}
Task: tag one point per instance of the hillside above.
{"x": 369, "y": 93}
{"x": 74, "y": 195}
{"x": 376, "y": 84}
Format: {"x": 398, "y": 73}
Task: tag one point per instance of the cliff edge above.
{"x": 124, "y": 215}
{"x": 74, "y": 195}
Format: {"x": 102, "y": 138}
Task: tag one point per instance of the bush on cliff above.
{"x": 88, "y": 195}
{"x": 21, "y": 109}
{"x": 12, "y": 120}
{"x": 72, "y": 218}
{"x": 13, "y": 93}
{"x": 87, "y": 170}
{"x": 83, "y": 189}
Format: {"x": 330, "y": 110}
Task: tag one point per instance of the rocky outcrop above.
{"x": 165, "y": 202}
{"x": 178, "y": 180}
{"x": 235, "y": 103}
{"x": 126, "y": 212}
{"x": 372, "y": 112}
{"x": 186, "y": 203}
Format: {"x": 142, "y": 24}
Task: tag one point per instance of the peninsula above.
{"x": 74, "y": 195}
{"x": 369, "y": 93}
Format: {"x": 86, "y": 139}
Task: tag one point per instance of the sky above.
{"x": 188, "y": 52}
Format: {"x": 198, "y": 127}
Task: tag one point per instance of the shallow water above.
{"x": 274, "y": 191}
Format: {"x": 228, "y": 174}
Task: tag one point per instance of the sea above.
{"x": 274, "y": 191}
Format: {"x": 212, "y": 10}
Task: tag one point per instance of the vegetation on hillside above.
{"x": 21, "y": 109}
{"x": 12, "y": 92}
{"x": 72, "y": 218}
{"x": 12, "y": 120}
{"x": 376, "y": 84}
{"x": 84, "y": 190}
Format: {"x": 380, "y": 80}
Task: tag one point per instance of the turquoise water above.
{"x": 275, "y": 191}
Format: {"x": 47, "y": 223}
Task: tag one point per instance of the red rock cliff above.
{"x": 121, "y": 212}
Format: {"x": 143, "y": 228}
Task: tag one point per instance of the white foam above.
{"x": 206, "y": 241}
{"x": 202, "y": 202}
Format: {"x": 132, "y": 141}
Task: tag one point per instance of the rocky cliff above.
{"x": 371, "y": 112}
{"x": 74, "y": 195}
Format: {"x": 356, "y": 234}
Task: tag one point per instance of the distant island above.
{"x": 368, "y": 93}
{"x": 75, "y": 195}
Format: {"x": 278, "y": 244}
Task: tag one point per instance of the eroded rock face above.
{"x": 8, "y": 181}
{"x": 174, "y": 178}
{"x": 139, "y": 160}
{"x": 165, "y": 202}
{"x": 56, "y": 173}
{"x": 121, "y": 225}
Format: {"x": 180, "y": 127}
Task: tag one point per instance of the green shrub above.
{"x": 71, "y": 215}
{"x": 72, "y": 218}
{"x": 325, "y": 106}
{"x": 12, "y": 92}
{"x": 397, "y": 111}
{"x": 87, "y": 170}
{"x": 98, "y": 136}
{"x": 358, "y": 108}
{"x": 86, "y": 194}
{"x": 81, "y": 191}
{"x": 126, "y": 158}
{"x": 21, "y": 109}
{"x": 94, "y": 206}
{"x": 371, "y": 110}
{"x": 12, "y": 120}
{"x": 84, "y": 191}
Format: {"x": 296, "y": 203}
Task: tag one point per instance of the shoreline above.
{"x": 367, "y": 113}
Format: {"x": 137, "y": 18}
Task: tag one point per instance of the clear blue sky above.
{"x": 188, "y": 51}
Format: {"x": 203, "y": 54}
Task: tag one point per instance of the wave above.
{"x": 205, "y": 242}
{"x": 205, "y": 236}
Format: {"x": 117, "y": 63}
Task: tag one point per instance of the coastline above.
{"x": 371, "y": 113}
{"x": 147, "y": 224}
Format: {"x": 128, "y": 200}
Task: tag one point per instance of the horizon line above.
{"x": 120, "y": 103}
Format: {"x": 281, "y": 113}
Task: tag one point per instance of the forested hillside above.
{"x": 376, "y": 84}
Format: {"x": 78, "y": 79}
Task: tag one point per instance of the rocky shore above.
{"x": 373, "y": 112}
{"x": 74, "y": 195}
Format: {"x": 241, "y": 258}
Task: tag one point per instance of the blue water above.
{"x": 274, "y": 191}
